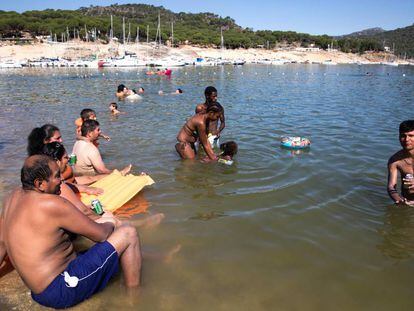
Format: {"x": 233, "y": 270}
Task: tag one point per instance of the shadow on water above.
{"x": 398, "y": 233}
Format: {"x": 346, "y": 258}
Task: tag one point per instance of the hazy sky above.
{"x": 315, "y": 17}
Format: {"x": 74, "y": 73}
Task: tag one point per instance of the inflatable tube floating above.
{"x": 295, "y": 142}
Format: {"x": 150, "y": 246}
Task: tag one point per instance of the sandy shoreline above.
{"x": 77, "y": 50}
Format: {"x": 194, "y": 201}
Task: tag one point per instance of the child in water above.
{"x": 87, "y": 114}
{"x": 113, "y": 107}
{"x": 229, "y": 150}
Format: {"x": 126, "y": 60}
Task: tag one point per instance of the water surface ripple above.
{"x": 278, "y": 230}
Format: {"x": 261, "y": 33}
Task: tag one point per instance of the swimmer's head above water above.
{"x": 88, "y": 114}
{"x": 407, "y": 135}
{"x": 211, "y": 94}
{"x": 229, "y": 148}
{"x": 121, "y": 88}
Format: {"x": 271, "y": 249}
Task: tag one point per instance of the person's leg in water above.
{"x": 148, "y": 221}
{"x": 185, "y": 150}
{"x": 125, "y": 240}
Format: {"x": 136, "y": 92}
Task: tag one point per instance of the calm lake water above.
{"x": 275, "y": 231}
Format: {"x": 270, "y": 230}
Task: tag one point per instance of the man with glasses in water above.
{"x": 35, "y": 229}
{"x": 402, "y": 162}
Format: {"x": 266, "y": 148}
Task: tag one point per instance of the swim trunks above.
{"x": 86, "y": 275}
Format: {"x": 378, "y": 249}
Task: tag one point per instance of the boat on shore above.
{"x": 10, "y": 64}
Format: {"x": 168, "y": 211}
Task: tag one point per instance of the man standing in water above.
{"x": 213, "y": 130}
{"x": 35, "y": 227}
{"x": 402, "y": 162}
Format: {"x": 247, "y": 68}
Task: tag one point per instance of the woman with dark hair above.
{"x": 196, "y": 128}
{"x": 45, "y": 134}
{"x": 57, "y": 152}
{"x": 40, "y": 136}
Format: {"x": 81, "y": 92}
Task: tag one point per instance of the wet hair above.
{"x": 407, "y": 126}
{"x": 54, "y": 150}
{"x": 86, "y": 113}
{"x": 37, "y": 136}
{"x": 114, "y": 105}
{"x": 35, "y": 167}
{"x": 88, "y": 126}
{"x": 214, "y": 108}
{"x": 180, "y": 91}
{"x": 120, "y": 88}
{"x": 209, "y": 90}
{"x": 229, "y": 148}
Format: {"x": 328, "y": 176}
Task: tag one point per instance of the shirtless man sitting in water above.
{"x": 402, "y": 162}
{"x": 34, "y": 231}
{"x": 211, "y": 99}
{"x": 196, "y": 128}
{"x": 89, "y": 160}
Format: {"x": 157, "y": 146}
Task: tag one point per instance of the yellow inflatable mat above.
{"x": 118, "y": 189}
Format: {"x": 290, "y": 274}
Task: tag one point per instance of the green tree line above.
{"x": 198, "y": 29}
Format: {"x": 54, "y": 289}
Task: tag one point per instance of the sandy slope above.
{"x": 74, "y": 50}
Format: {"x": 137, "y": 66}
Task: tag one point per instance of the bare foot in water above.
{"x": 165, "y": 257}
{"x": 150, "y": 221}
{"x": 169, "y": 256}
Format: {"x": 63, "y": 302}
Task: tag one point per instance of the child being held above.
{"x": 87, "y": 114}
{"x": 229, "y": 150}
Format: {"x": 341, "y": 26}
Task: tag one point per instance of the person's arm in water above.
{"x": 106, "y": 137}
{"x": 392, "y": 183}
{"x": 222, "y": 123}
{"x": 99, "y": 165}
{"x": 201, "y": 130}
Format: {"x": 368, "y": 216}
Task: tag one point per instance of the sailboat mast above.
{"x": 172, "y": 34}
{"x": 123, "y": 30}
{"x": 111, "y": 32}
{"x": 221, "y": 39}
{"x": 86, "y": 34}
{"x": 137, "y": 38}
{"x": 159, "y": 27}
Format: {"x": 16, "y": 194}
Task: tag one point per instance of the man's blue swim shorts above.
{"x": 87, "y": 274}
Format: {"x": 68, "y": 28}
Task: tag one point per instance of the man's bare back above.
{"x": 33, "y": 233}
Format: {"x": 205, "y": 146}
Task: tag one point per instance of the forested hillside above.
{"x": 201, "y": 28}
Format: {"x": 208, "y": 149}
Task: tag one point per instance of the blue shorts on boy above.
{"x": 86, "y": 275}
